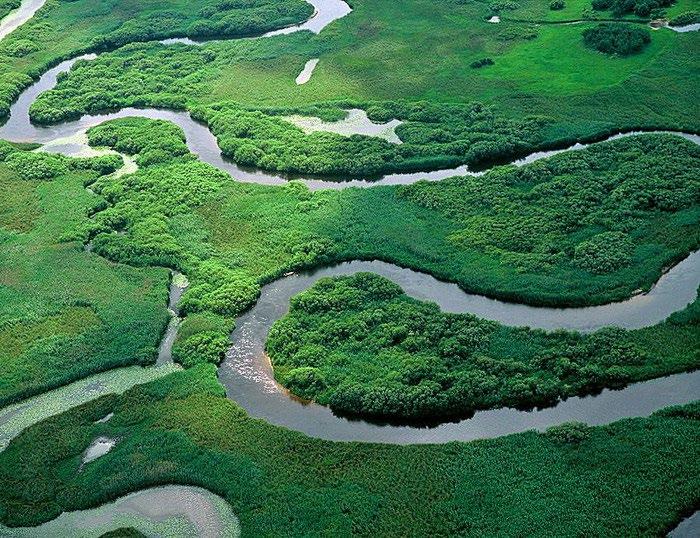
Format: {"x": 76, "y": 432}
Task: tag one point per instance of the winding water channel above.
{"x": 247, "y": 375}
{"x": 203, "y": 143}
{"x": 246, "y": 372}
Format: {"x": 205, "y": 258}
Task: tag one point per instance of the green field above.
{"x": 64, "y": 312}
{"x": 634, "y": 477}
{"x": 86, "y": 254}
{"x": 370, "y": 57}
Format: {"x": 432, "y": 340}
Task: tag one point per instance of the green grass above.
{"x": 371, "y": 55}
{"x": 60, "y": 30}
{"x": 66, "y": 313}
{"x": 636, "y": 477}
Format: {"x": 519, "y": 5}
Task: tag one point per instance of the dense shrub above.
{"x": 124, "y": 532}
{"x": 481, "y": 63}
{"x": 432, "y": 135}
{"x": 556, "y": 5}
{"x": 620, "y": 39}
{"x": 220, "y": 18}
{"x": 689, "y": 17}
{"x": 641, "y": 8}
{"x": 134, "y": 136}
{"x": 282, "y": 483}
{"x": 604, "y": 253}
{"x": 6, "y": 149}
{"x": 359, "y": 345}
{"x": 36, "y": 165}
{"x": 529, "y": 217}
{"x": 200, "y": 348}
{"x": 569, "y": 432}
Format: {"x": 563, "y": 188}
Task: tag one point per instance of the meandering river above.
{"x": 246, "y": 371}
{"x": 247, "y": 374}
{"x": 203, "y": 143}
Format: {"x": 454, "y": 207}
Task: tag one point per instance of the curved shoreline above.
{"x": 168, "y": 511}
{"x": 19, "y": 16}
{"x": 202, "y": 142}
{"x": 19, "y": 416}
{"x": 247, "y": 374}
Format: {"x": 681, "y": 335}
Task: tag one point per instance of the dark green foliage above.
{"x": 124, "y": 532}
{"x": 641, "y": 8}
{"x": 636, "y": 477}
{"x": 689, "y": 17}
{"x": 556, "y": 5}
{"x": 598, "y": 210}
{"x": 201, "y": 347}
{"x": 569, "y": 432}
{"x": 361, "y": 346}
{"x": 8, "y": 5}
{"x": 604, "y": 253}
{"x": 433, "y": 135}
{"x": 133, "y": 136}
{"x": 620, "y": 39}
{"x": 218, "y": 18}
{"x": 481, "y": 63}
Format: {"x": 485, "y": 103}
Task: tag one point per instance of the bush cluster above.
{"x": 641, "y": 8}
{"x": 684, "y": 19}
{"x": 588, "y": 209}
{"x": 569, "y": 432}
{"x": 556, "y": 5}
{"x": 481, "y": 63}
{"x": 620, "y": 39}
{"x": 359, "y": 345}
{"x": 433, "y": 135}
{"x": 200, "y": 348}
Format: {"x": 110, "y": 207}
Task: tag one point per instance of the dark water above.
{"x": 247, "y": 376}
{"x": 688, "y": 528}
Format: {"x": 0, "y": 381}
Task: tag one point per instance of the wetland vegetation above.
{"x": 361, "y": 346}
{"x": 637, "y": 476}
{"x": 86, "y": 256}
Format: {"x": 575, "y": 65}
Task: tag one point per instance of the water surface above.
{"x": 166, "y": 512}
{"x": 246, "y": 372}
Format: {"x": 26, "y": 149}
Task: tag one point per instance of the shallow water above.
{"x": 178, "y": 285}
{"x": 356, "y": 122}
{"x": 166, "y": 512}
{"x": 19, "y": 16}
{"x": 682, "y": 29}
{"x": 16, "y": 418}
{"x": 325, "y": 12}
{"x": 305, "y": 74}
{"x": 98, "y": 448}
{"x": 247, "y": 375}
